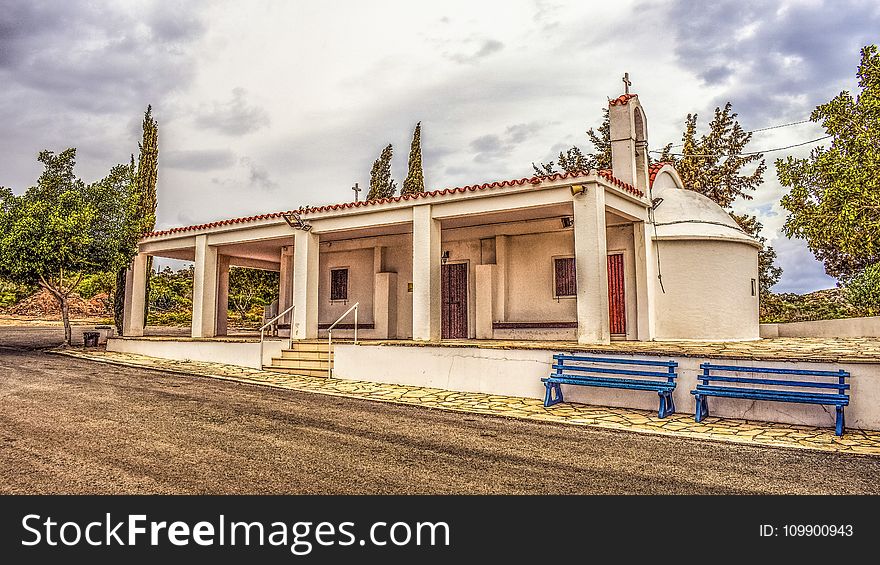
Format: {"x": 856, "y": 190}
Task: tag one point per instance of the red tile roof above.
{"x": 604, "y": 173}
{"x": 653, "y": 169}
{"x": 217, "y": 223}
{"x": 621, "y": 100}
{"x": 430, "y": 194}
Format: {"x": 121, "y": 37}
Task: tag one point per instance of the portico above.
{"x": 572, "y": 256}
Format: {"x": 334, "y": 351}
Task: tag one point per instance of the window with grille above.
{"x": 339, "y": 284}
{"x": 563, "y": 276}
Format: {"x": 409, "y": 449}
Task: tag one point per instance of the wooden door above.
{"x": 454, "y": 300}
{"x": 616, "y": 295}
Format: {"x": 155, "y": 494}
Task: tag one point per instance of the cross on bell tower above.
{"x": 626, "y": 83}
{"x": 357, "y": 191}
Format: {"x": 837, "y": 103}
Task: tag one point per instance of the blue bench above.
{"x": 779, "y": 389}
{"x": 611, "y": 373}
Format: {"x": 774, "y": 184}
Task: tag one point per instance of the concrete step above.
{"x": 309, "y": 346}
{"x": 303, "y": 372}
{"x": 319, "y": 364}
{"x": 292, "y": 354}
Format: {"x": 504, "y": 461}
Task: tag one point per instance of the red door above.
{"x": 453, "y": 297}
{"x": 616, "y": 296}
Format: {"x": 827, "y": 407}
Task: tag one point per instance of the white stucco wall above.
{"x": 844, "y": 327}
{"x": 708, "y": 290}
{"x": 359, "y": 263}
{"x": 359, "y": 257}
{"x": 242, "y": 354}
{"x": 530, "y": 282}
{"x": 398, "y": 259}
{"x": 518, "y": 373}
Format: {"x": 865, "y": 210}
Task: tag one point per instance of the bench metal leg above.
{"x": 667, "y": 405}
{"x": 841, "y": 422}
{"x": 701, "y": 409}
{"x": 553, "y": 389}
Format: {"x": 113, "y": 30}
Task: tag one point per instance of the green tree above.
{"x": 381, "y": 183}
{"x": 53, "y": 234}
{"x": 863, "y": 290}
{"x": 171, "y": 290}
{"x": 142, "y": 211}
{"x": 714, "y": 163}
{"x": 834, "y": 194}
{"x": 99, "y": 284}
{"x": 573, "y": 159}
{"x": 251, "y": 287}
{"x": 415, "y": 176}
{"x": 11, "y": 292}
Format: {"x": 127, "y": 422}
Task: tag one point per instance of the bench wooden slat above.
{"x": 599, "y": 381}
{"x": 610, "y": 371}
{"x": 775, "y": 382}
{"x": 711, "y": 366}
{"x": 768, "y": 394}
{"x": 568, "y": 357}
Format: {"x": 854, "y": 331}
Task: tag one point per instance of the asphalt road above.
{"x": 73, "y": 426}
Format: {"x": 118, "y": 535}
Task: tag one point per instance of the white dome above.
{"x": 685, "y": 214}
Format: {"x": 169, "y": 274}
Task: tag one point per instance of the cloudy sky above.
{"x": 270, "y": 105}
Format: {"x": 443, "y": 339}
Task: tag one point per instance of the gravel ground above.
{"x": 73, "y": 426}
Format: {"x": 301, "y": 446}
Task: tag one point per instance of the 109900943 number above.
{"x": 817, "y": 530}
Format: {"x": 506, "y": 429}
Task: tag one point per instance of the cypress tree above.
{"x": 415, "y": 176}
{"x": 381, "y": 183}
{"x": 144, "y": 210}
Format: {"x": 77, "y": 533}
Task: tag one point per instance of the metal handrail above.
{"x": 330, "y": 334}
{"x": 269, "y": 323}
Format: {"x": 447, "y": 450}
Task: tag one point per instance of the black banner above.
{"x": 430, "y": 529}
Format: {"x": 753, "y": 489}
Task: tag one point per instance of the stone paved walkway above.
{"x": 682, "y": 425}
{"x": 831, "y": 349}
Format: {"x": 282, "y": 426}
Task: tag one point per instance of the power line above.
{"x": 779, "y": 126}
{"x": 752, "y": 152}
{"x": 763, "y": 129}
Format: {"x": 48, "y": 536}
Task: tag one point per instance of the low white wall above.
{"x": 844, "y": 327}
{"x": 518, "y": 372}
{"x": 243, "y": 354}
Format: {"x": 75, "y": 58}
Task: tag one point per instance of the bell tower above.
{"x": 629, "y": 139}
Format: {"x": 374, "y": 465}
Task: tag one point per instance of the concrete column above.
{"x": 379, "y": 259}
{"x": 502, "y": 260}
{"x": 385, "y": 305}
{"x": 485, "y": 275}
{"x": 646, "y": 274}
{"x": 305, "y": 285}
{"x": 135, "y": 297}
{"x": 204, "y": 316}
{"x": 426, "y": 274}
{"x": 285, "y": 282}
{"x": 591, "y": 266}
{"x": 222, "y": 295}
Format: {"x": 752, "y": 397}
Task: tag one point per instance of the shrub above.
{"x": 863, "y": 291}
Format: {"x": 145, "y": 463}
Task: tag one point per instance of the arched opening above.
{"x": 639, "y": 120}
{"x": 641, "y": 150}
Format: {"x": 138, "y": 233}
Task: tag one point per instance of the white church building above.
{"x": 475, "y": 288}
{"x": 594, "y": 256}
